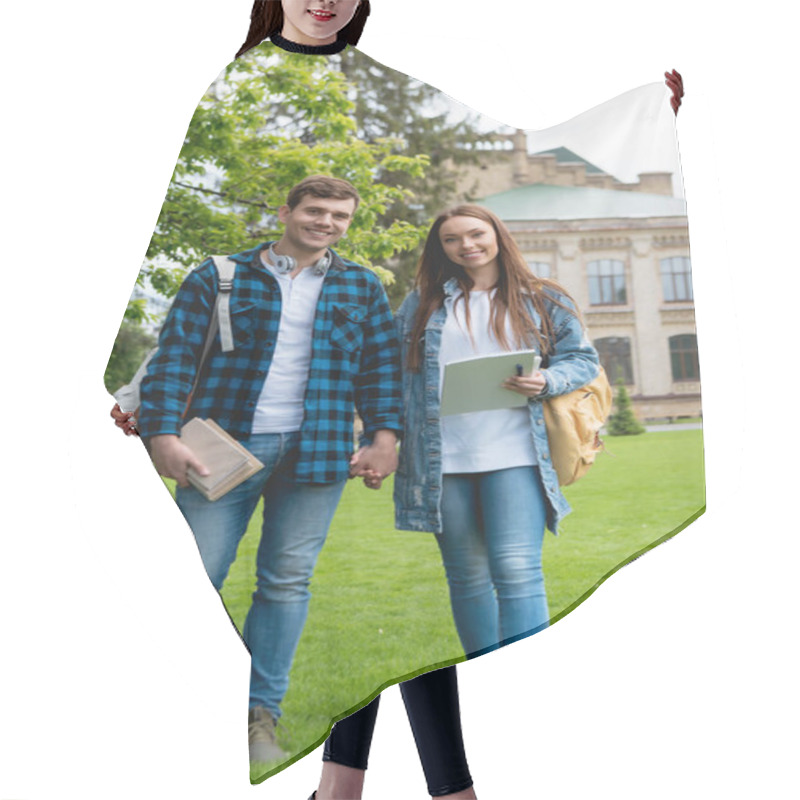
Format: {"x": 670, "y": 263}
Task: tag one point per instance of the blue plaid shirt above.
{"x": 355, "y": 360}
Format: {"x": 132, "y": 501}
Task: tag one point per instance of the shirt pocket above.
{"x": 347, "y": 333}
{"x": 243, "y": 324}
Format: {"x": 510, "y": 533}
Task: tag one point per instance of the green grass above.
{"x": 380, "y": 607}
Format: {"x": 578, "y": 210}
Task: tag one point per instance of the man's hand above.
{"x": 124, "y": 420}
{"x": 376, "y": 461}
{"x": 675, "y": 83}
{"x": 172, "y": 458}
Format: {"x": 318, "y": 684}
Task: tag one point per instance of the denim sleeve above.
{"x": 171, "y": 372}
{"x": 378, "y": 392}
{"x": 574, "y": 361}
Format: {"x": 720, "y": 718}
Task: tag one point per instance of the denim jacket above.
{"x": 418, "y": 482}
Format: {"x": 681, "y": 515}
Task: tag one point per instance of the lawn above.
{"x": 380, "y": 609}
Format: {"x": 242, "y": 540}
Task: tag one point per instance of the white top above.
{"x": 481, "y": 441}
{"x": 280, "y": 406}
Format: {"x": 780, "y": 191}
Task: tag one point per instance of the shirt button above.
{"x": 545, "y": 456}
{"x": 540, "y": 421}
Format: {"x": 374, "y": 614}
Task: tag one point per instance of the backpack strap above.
{"x": 128, "y": 396}
{"x": 220, "y": 319}
{"x": 226, "y": 269}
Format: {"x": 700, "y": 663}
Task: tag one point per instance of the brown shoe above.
{"x": 261, "y": 737}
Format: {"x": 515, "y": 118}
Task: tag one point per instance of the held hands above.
{"x": 172, "y": 458}
{"x": 376, "y": 461}
{"x": 527, "y": 385}
{"x": 675, "y": 82}
{"x": 124, "y": 420}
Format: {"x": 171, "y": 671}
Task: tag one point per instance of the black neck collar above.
{"x": 308, "y": 49}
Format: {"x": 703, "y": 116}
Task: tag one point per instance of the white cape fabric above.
{"x": 595, "y": 203}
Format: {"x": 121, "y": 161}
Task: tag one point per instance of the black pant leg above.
{"x": 351, "y": 738}
{"x": 433, "y": 711}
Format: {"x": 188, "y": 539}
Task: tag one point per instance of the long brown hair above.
{"x": 266, "y": 19}
{"x": 515, "y": 282}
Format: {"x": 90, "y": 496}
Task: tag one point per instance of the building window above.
{"x": 615, "y": 356}
{"x": 607, "y": 283}
{"x": 540, "y": 268}
{"x": 676, "y": 279}
{"x": 683, "y": 355}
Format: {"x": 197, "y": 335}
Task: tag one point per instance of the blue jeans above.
{"x": 296, "y": 521}
{"x": 491, "y": 543}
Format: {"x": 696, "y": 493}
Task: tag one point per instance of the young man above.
{"x": 313, "y": 337}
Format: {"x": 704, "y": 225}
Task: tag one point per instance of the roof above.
{"x": 540, "y": 201}
{"x": 565, "y": 156}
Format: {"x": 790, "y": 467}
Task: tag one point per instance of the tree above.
{"x": 131, "y": 346}
{"x": 622, "y": 421}
{"x": 263, "y": 126}
{"x": 417, "y": 118}
{"x": 268, "y": 122}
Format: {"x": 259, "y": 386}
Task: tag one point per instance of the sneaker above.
{"x": 261, "y": 737}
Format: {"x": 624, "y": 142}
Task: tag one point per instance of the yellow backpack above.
{"x": 573, "y": 425}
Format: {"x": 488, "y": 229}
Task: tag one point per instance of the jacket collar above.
{"x": 450, "y": 287}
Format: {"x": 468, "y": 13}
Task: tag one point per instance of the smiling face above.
{"x": 472, "y": 244}
{"x": 315, "y": 223}
{"x": 315, "y": 22}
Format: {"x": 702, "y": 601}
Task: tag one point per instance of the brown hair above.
{"x": 515, "y": 282}
{"x": 266, "y": 19}
{"x": 322, "y": 186}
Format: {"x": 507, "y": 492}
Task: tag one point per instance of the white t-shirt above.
{"x": 480, "y": 441}
{"x": 281, "y": 404}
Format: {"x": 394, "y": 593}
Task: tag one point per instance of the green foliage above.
{"x": 271, "y": 120}
{"x": 263, "y": 126}
{"x": 390, "y": 104}
{"x": 131, "y": 346}
{"x": 622, "y": 421}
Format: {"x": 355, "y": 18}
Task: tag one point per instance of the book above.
{"x": 228, "y": 462}
{"x": 475, "y": 383}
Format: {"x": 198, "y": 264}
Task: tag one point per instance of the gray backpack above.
{"x": 128, "y": 396}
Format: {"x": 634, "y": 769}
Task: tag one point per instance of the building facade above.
{"x": 621, "y": 250}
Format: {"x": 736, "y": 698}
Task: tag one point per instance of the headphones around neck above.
{"x": 286, "y": 264}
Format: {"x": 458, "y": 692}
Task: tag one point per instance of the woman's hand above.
{"x": 528, "y": 385}
{"x": 372, "y": 480}
{"x": 675, "y": 82}
{"x": 124, "y": 420}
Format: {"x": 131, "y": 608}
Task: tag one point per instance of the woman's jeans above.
{"x": 491, "y": 543}
{"x": 296, "y": 521}
{"x": 432, "y": 705}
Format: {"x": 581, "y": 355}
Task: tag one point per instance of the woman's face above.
{"x": 472, "y": 244}
{"x": 316, "y": 22}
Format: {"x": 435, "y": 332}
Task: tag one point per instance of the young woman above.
{"x": 483, "y": 481}
{"x": 324, "y": 27}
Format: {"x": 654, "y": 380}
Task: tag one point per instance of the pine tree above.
{"x": 623, "y": 422}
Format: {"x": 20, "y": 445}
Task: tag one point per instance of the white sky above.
{"x": 624, "y": 136}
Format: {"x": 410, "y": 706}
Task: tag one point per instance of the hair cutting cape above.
{"x": 595, "y": 203}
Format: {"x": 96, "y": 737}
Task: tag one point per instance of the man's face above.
{"x": 316, "y": 223}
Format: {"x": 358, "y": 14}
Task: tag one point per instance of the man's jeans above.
{"x": 296, "y": 521}
{"x": 491, "y": 542}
